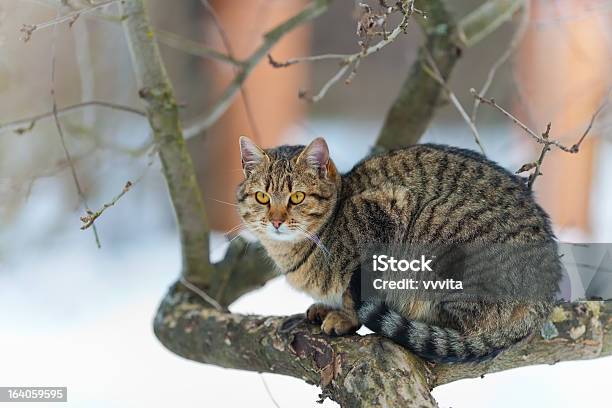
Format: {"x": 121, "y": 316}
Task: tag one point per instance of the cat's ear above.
{"x": 316, "y": 154}
{"x": 250, "y": 154}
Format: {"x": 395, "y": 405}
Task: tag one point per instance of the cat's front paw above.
{"x": 338, "y": 323}
{"x": 316, "y": 313}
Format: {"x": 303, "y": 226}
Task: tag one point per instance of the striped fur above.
{"x": 421, "y": 195}
{"x": 433, "y": 343}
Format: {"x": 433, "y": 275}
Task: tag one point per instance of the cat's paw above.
{"x": 338, "y": 323}
{"x": 316, "y": 313}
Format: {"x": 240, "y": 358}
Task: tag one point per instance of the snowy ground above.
{"x": 72, "y": 315}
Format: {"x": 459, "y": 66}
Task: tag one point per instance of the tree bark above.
{"x": 420, "y": 95}
{"x": 162, "y": 110}
{"x": 361, "y": 371}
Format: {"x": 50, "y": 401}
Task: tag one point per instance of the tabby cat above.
{"x": 316, "y": 224}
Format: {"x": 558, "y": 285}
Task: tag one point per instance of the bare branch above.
{"x": 313, "y": 58}
{"x": 92, "y": 216}
{"x": 420, "y": 95}
{"x": 337, "y": 77}
{"x": 228, "y": 48}
{"x": 193, "y": 48}
{"x": 313, "y": 10}
{"x": 353, "y": 60}
{"x": 511, "y": 49}
{"x": 481, "y": 22}
{"x": 435, "y": 73}
{"x": 575, "y": 148}
{"x": 30, "y": 122}
{"x": 544, "y": 139}
{"x": 71, "y": 18}
{"x": 602, "y": 106}
{"x": 60, "y": 132}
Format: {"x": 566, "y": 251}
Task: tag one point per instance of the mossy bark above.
{"x": 162, "y": 110}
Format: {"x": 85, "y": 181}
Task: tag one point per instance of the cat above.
{"x": 319, "y": 226}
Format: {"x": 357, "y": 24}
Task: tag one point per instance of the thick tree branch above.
{"x": 354, "y": 371}
{"x": 420, "y": 94}
{"x": 361, "y": 371}
{"x": 162, "y": 110}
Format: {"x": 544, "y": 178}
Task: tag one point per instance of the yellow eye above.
{"x": 262, "y": 198}
{"x": 297, "y": 197}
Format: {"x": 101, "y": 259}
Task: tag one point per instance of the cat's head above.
{"x": 288, "y": 192}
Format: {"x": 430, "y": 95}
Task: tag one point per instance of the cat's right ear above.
{"x": 250, "y": 154}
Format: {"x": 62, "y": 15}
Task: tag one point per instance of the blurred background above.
{"x": 78, "y": 316}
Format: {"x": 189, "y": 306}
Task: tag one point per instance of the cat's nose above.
{"x": 277, "y": 223}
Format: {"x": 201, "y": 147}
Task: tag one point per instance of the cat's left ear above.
{"x": 316, "y": 154}
{"x": 250, "y": 154}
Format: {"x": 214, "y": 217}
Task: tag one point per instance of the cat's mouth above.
{"x": 283, "y": 233}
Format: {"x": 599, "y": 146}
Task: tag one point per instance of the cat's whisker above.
{"x": 223, "y": 202}
{"x": 314, "y": 238}
{"x": 216, "y": 248}
{"x": 241, "y": 225}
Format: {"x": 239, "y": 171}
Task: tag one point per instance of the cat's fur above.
{"x": 426, "y": 194}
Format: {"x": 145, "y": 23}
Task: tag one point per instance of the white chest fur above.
{"x": 332, "y": 299}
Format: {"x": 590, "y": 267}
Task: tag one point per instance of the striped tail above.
{"x": 433, "y": 343}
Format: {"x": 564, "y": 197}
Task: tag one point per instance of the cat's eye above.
{"x": 262, "y": 198}
{"x": 297, "y": 197}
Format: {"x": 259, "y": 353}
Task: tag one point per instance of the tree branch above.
{"x": 70, "y": 18}
{"x": 31, "y": 121}
{"x": 420, "y": 94}
{"x": 313, "y": 10}
{"x": 162, "y": 110}
{"x": 193, "y": 48}
{"x": 361, "y": 371}
{"x": 354, "y": 371}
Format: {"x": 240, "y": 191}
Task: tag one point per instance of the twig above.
{"x": 292, "y": 61}
{"x": 594, "y": 117}
{"x": 229, "y": 49}
{"x": 205, "y": 296}
{"x": 538, "y": 163}
{"x": 544, "y": 139}
{"x": 321, "y": 94}
{"x": 572, "y": 149}
{"x": 348, "y": 60}
{"x": 29, "y": 29}
{"x": 512, "y": 47}
{"x": 537, "y": 171}
{"x": 31, "y": 121}
{"x": 60, "y": 132}
{"x": 193, "y": 48}
{"x": 485, "y": 19}
{"x": 433, "y": 71}
{"x": 92, "y": 216}
{"x": 313, "y": 10}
